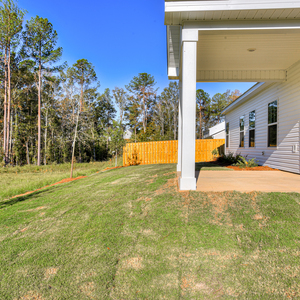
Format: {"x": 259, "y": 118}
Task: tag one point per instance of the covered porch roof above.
{"x": 237, "y": 40}
{"x": 226, "y": 40}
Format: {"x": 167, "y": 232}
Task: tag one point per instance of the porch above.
{"x": 228, "y": 41}
{"x": 248, "y": 181}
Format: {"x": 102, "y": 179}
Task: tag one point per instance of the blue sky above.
{"x": 120, "y": 38}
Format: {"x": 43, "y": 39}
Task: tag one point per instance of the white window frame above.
{"x": 227, "y": 141}
{"x": 275, "y": 123}
{"x": 240, "y": 131}
{"x": 250, "y": 129}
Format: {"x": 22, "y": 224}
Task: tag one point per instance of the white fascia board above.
{"x": 217, "y": 128}
{"x": 173, "y": 51}
{"x": 194, "y": 6}
{"x": 257, "y": 88}
{"x": 242, "y": 25}
{"x": 173, "y": 73}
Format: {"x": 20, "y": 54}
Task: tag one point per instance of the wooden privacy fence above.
{"x": 165, "y": 152}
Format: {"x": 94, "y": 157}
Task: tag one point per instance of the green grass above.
{"x": 208, "y": 166}
{"x": 128, "y": 234}
{"x": 18, "y": 180}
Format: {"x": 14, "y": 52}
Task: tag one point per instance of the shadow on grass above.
{"x": 16, "y": 200}
{"x": 210, "y": 166}
{"x": 13, "y": 201}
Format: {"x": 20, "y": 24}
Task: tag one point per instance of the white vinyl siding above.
{"x": 288, "y": 133}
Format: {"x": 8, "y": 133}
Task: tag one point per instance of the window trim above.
{"x": 227, "y": 135}
{"x": 243, "y": 116}
{"x": 276, "y": 123}
{"x": 252, "y": 129}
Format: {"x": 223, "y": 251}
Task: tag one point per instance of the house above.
{"x": 216, "y": 132}
{"x": 264, "y": 123}
{"x": 232, "y": 41}
{"x": 127, "y": 134}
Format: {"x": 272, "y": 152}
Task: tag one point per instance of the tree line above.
{"x": 50, "y": 111}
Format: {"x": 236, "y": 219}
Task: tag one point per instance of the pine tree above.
{"x": 40, "y": 50}
{"x": 83, "y": 73}
{"x": 121, "y": 99}
{"x": 11, "y": 20}
{"x": 142, "y": 87}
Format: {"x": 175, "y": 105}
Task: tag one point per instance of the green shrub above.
{"x": 215, "y": 152}
{"x": 229, "y": 158}
{"x": 244, "y": 163}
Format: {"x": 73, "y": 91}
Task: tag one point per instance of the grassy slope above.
{"x": 18, "y": 180}
{"x": 127, "y": 234}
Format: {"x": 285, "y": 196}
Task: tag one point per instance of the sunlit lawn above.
{"x": 18, "y": 180}
{"x": 129, "y": 234}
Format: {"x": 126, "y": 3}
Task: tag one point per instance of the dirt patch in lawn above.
{"x": 113, "y": 168}
{"x": 133, "y": 263}
{"x": 88, "y": 289}
{"x": 220, "y": 203}
{"x": 32, "y": 295}
{"x": 189, "y": 283}
{"x": 50, "y": 272}
{"x": 171, "y": 183}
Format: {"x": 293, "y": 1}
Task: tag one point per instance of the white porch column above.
{"x": 179, "y": 128}
{"x": 187, "y": 180}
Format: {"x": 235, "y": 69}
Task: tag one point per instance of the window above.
{"x": 272, "y": 124}
{"x": 242, "y": 132}
{"x": 227, "y": 135}
{"x": 252, "y": 129}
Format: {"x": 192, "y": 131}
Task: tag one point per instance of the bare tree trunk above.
{"x": 10, "y": 137}
{"x": 46, "y": 127}
{"x": 94, "y": 149}
{"x": 39, "y": 115}
{"x": 81, "y": 99}
{"x": 8, "y": 106}
{"x": 27, "y": 153}
{"x": 200, "y": 123}
{"x": 74, "y": 141}
{"x": 144, "y": 107}
{"x": 17, "y": 152}
{"x": 175, "y": 123}
{"x": 5, "y": 104}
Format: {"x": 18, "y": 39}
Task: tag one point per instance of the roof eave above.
{"x": 254, "y": 90}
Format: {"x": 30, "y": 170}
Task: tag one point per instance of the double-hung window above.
{"x": 242, "y": 131}
{"x": 227, "y": 135}
{"x": 272, "y": 124}
{"x": 252, "y": 129}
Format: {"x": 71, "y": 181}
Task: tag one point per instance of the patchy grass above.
{"x": 209, "y": 166}
{"x": 18, "y": 180}
{"x": 129, "y": 234}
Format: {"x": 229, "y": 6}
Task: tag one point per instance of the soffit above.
{"x": 229, "y": 50}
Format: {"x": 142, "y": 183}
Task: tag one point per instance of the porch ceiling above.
{"x": 227, "y": 56}
{"x": 228, "y": 29}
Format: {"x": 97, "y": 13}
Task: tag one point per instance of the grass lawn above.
{"x": 18, "y": 180}
{"x": 208, "y": 166}
{"x": 128, "y": 234}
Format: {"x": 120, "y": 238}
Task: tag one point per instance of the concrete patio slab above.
{"x": 248, "y": 181}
